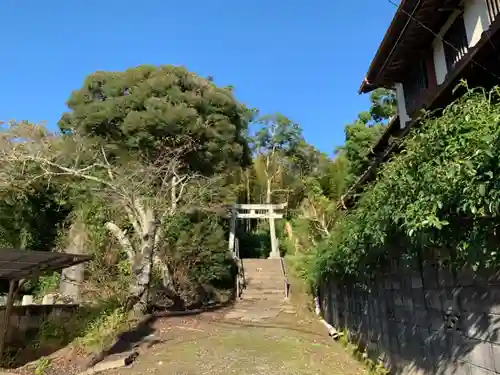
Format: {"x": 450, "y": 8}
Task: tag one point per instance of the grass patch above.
{"x": 301, "y": 296}
{"x": 245, "y": 351}
{"x": 91, "y": 328}
{"x": 42, "y": 366}
{"x": 300, "y": 293}
{"x": 98, "y": 331}
{"x": 375, "y": 367}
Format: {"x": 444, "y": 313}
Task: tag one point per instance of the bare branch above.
{"x": 122, "y": 238}
{"x": 135, "y": 187}
{"x": 108, "y": 166}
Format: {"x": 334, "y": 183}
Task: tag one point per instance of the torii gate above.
{"x": 257, "y": 211}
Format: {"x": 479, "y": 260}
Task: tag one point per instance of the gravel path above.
{"x": 215, "y": 343}
{"x": 253, "y": 337}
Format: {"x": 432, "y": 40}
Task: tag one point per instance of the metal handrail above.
{"x": 240, "y": 277}
{"x": 236, "y": 249}
{"x": 285, "y": 279}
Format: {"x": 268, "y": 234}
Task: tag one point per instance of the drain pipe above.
{"x": 332, "y": 332}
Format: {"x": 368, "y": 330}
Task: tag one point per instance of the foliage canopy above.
{"x": 364, "y": 131}
{"x": 145, "y": 107}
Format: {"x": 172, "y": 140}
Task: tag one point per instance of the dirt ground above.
{"x": 252, "y": 337}
{"x": 210, "y": 344}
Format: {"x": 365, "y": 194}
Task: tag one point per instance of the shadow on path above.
{"x": 143, "y": 332}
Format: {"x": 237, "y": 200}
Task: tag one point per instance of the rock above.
{"x": 48, "y": 299}
{"x": 27, "y": 300}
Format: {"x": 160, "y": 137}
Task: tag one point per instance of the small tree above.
{"x": 145, "y": 192}
{"x": 277, "y": 139}
{"x": 362, "y": 134}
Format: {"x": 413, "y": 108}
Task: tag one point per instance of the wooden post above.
{"x": 6, "y": 318}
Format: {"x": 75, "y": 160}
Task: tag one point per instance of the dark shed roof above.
{"x": 20, "y": 264}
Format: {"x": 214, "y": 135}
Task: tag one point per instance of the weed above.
{"x": 90, "y": 328}
{"x": 102, "y": 330}
{"x": 374, "y": 368}
{"x": 42, "y": 365}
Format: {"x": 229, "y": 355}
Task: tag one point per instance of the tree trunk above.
{"x": 142, "y": 266}
{"x": 171, "y": 290}
{"x": 173, "y": 193}
{"x": 268, "y": 190}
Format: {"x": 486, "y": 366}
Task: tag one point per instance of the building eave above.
{"x": 470, "y": 67}
{"x": 414, "y": 25}
{"x": 392, "y": 31}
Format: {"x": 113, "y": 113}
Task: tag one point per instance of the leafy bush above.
{"x": 32, "y": 217}
{"x": 107, "y": 274}
{"x": 441, "y": 193}
{"x": 196, "y": 250}
{"x": 254, "y": 244}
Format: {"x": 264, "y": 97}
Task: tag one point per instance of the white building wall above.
{"x": 400, "y": 100}
{"x": 438, "y": 50}
{"x": 439, "y": 60}
{"x": 476, "y": 20}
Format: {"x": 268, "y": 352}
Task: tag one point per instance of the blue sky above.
{"x": 304, "y": 59}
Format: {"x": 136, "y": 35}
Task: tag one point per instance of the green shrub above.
{"x": 196, "y": 249}
{"x": 442, "y": 192}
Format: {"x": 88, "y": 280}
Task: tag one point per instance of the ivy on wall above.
{"x": 442, "y": 192}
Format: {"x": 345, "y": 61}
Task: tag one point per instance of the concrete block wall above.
{"x": 430, "y": 321}
{"x": 27, "y": 320}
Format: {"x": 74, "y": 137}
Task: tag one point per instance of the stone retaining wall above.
{"x": 424, "y": 320}
{"x": 26, "y": 320}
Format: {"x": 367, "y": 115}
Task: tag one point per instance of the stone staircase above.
{"x": 264, "y": 293}
{"x": 263, "y": 280}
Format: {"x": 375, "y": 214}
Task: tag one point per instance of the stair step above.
{"x": 266, "y": 264}
{"x": 264, "y": 280}
{"x": 272, "y": 299}
{"x": 267, "y": 297}
{"x": 262, "y": 269}
{"x": 264, "y": 287}
{"x": 264, "y": 277}
{"x": 261, "y": 261}
{"x": 250, "y": 280}
{"x": 262, "y": 295}
{"x": 278, "y": 283}
{"x": 262, "y": 272}
{"x": 272, "y": 266}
